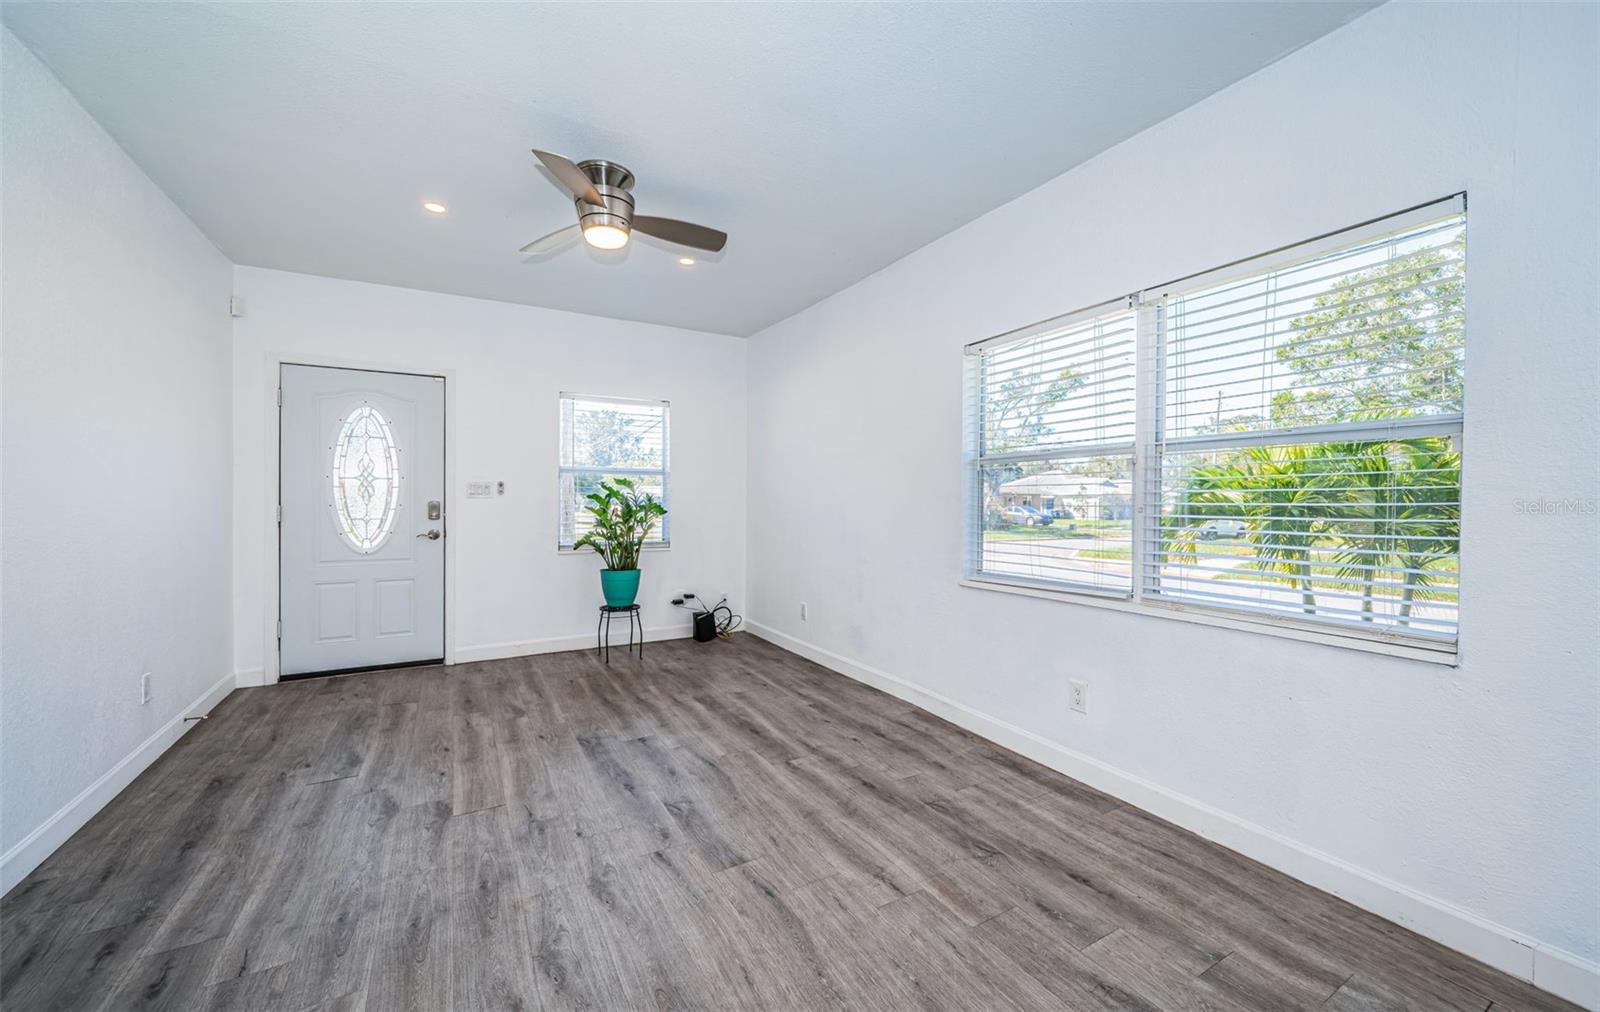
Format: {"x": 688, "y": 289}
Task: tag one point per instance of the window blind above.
{"x": 605, "y": 438}
{"x": 1307, "y": 456}
{"x": 1278, "y": 439}
{"x": 1053, "y": 418}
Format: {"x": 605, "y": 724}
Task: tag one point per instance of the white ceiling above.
{"x": 828, "y": 139}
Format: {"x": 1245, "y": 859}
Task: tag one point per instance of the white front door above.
{"x": 361, "y": 549}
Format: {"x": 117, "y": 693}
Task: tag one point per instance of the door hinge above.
{"x": 280, "y": 630}
{"x": 280, "y": 397}
{"x": 280, "y": 514}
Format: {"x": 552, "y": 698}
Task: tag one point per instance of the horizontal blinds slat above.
{"x": 1184, "y": 362}
{"x": 1075, "y": 384}
{"x": 1321, "y": 582}
{"x": 1196, "y": 313}
{"x": 1374, "y": 328}
{"x": 1211, "y": 394}
{"x": 1380, "y": 429}
{"x": 1015, "y": 383}
{"x": 1073, "y": 452}
{"x": 1058, "y": 343}
{"x": 1328, "y": 558}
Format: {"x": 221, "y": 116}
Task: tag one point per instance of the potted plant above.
{"x": 623, "y": 519}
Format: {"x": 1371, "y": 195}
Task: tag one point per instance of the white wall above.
{"x": 514, "y": 593}
{"x": 1474, "y": 791}
{"x": 115, "y": 504}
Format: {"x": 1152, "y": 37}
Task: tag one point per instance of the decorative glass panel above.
{"x": 366, "y": 480}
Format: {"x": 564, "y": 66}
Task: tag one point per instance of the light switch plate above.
{"x": 480, "y": 490}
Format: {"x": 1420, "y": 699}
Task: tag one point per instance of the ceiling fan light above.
{"x": 605, "y": 236}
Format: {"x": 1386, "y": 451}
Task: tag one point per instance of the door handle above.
{"x": 432, "y": 535}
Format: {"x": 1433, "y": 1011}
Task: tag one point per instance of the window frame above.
{"x": 663, "y": 541}
{"x": 1151, "y": 444}
{"x": 976, "y": 459}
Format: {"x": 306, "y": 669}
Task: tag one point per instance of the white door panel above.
{"x": 362, "y": 458}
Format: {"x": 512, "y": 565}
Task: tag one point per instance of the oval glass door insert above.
{"x": 366, "y": 480}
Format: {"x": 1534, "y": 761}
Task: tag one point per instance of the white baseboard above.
{"x": 555, "y": 644}
{"x": 519, "y": 648}
{"x": 1562, "y": 973}
{"x": 251, "y": 679}
{"x": 31, "y": 850}
{"x": 1572, "y": 977}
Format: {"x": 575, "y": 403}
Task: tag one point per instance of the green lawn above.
{"x": 1061, "y": 529}
{"x": 1120, "y": 553}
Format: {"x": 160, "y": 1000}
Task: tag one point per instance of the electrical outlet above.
{"x": 144, "y": 688}
{"x": 804, "y": 617}
{"x": 1080, "y": 696}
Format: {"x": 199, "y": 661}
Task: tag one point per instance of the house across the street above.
{"x": 1087, "y": 497}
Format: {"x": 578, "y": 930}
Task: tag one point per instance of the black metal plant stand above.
{"x": 602, "y": 633}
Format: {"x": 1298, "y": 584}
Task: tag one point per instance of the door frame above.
{"x": 272, "y": 557}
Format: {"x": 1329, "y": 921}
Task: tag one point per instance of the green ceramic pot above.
{"x": 620, "y": 586}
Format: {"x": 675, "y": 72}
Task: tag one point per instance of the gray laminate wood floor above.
{"x": 721, "y": 826}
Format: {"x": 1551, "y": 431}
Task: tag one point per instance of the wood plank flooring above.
{"x": 719, "y": 826}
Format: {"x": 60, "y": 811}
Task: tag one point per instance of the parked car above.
{"x": 1041, "y": 518}
{"x": 1062, "y": 513}
{"x": 1027, "y": 516}
{"x": 1213, "y": 530}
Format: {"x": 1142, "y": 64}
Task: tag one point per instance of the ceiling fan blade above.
{"x": 545, "y": 244}
{"x": 571, "y": 176}
{"x": 681, "y": 232}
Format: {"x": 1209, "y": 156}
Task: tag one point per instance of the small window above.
{"x": 1052, "y": 467}
{"x": 604, "y": 438}
{"x": 366, "y": 480}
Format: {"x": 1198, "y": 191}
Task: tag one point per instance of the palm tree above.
{"x": 1429, "y": 520}
{"x": 1366, "y": 521}
{"x": 1383, "y": 503}
{"x": 1283, "y": 493}
{"x": 1401, "y": 509}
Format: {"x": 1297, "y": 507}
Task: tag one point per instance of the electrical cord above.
{"x": 726, "y": 626}
{"x": 722, "y": 616}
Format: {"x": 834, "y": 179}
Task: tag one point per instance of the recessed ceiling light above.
{"x": 686, "y": 261}
{"x": 434, "y": 207}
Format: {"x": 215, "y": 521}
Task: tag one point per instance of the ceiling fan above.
{"x": 602, "y": 191}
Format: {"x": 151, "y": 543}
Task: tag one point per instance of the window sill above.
{"x": 1282, "y": 628}
{"x": 565, "y": 550}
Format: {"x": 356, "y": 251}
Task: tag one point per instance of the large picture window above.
{"x": 1293, "y": 454}
{"x": 606, "y": 438}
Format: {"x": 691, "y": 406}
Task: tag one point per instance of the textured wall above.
{"x": 115, "y": 505}
{"x": 1477, "y": 785}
